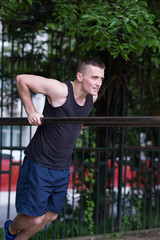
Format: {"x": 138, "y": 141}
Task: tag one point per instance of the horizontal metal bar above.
{"x": 144, "y": 121}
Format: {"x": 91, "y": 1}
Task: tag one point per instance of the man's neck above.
{"x": 79, "y": 95}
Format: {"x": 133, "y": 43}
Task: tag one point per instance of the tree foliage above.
{"x": 120, "y": 27}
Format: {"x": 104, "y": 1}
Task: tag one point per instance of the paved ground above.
{"x": 140, "y": 235}
{"x": 147, "y": 235}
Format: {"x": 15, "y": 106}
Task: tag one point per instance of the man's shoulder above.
{"x": 58, "y": 93}
{"x": 58, "y": 87}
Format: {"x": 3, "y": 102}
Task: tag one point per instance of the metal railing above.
{"x": 145, "y": 121}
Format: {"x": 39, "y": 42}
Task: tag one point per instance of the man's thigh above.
{"x": 40, "y": 189}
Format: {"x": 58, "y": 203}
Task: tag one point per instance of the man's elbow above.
{"x": 19, "y": 81}
{"x": 18, "y": 77}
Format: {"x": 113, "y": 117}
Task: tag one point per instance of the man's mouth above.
{"x": 96, "y": 89}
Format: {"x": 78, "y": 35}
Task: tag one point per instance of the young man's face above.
{"x": 92, "y": 78}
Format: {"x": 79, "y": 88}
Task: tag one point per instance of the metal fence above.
{"x": 115, "y": 171}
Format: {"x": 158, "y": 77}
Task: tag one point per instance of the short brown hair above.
{"x": 90, "y": 61}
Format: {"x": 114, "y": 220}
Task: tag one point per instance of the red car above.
{"x": 9, "y": 173}
{"x": 9, "y": 168}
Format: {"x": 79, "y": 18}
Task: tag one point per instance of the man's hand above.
{"x": 34, "y": 119}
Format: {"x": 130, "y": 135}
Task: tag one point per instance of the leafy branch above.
{"x": 120, "y": 27}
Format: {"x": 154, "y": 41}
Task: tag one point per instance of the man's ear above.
{"x": 79, "y": 76}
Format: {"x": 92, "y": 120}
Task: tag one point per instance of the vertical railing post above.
{"x": 120, "y": 182}
{"x": 1, "y": 101}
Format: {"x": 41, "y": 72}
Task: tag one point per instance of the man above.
{"x": 44, "y": 175}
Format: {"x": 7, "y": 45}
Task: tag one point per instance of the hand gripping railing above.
{"x": 125, "y": 121}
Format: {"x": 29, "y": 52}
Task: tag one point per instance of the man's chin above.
{"x": 94, "y": 94}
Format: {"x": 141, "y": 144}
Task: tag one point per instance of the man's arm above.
{"x": 55, "y": 90}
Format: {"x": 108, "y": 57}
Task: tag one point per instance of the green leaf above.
{"x": 30, "y": 1}
{"x": 132, "y": 46}
{"x": 158, "y": 46}
{"x": 126, "y": 20}
{"x": 93, "y": 181}
{"x": 87, "y": 179}
{"x": 143, "y": 3}
{"x": 93, "y": 160}
{"x": 114, "y": 23}
{"x": 129, "y": 28}
{"x": 154, "y": 49}
{"x": 134, "y": 23}
{"x": 125, "y": 55}
{"x": 121, "y": 47}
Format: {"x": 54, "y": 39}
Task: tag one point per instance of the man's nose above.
{"x": 99, "y": 81}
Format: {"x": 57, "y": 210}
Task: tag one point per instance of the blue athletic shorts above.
{"x": 41, "y": 189}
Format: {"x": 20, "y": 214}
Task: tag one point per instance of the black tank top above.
{"x": 52, "y": 144}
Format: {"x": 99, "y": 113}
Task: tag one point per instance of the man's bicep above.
{"x": 35, "y": 83}
{"x": 52, "y": 88}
